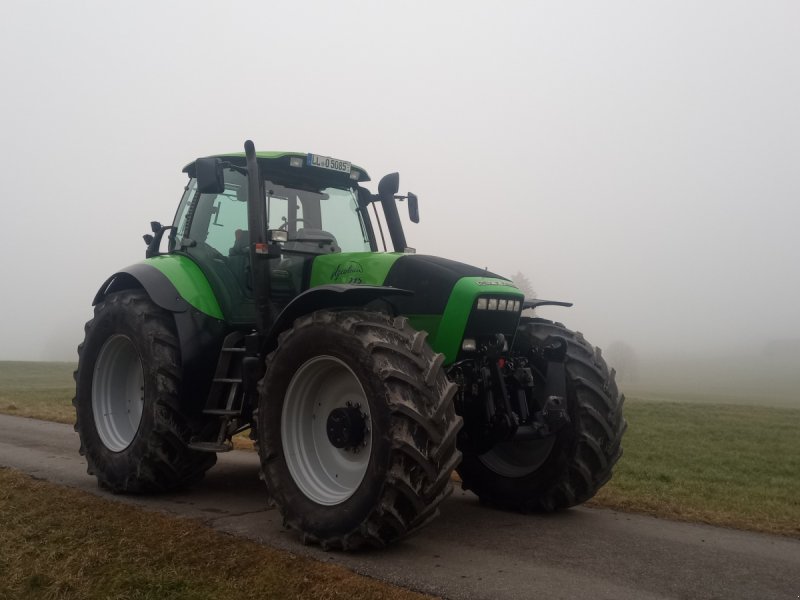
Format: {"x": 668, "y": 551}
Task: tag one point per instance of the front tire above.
{"x": 570, "y": 467}
{"x": 357, "y": 429}
{"x": 132, "y": 431}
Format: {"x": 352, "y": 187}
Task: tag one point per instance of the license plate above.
{"x": 326, "y": 162}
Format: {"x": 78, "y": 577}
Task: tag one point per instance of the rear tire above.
{"x": 132, "y": 431}
{"x": 566, "y": 469}
{"x": 390, "y": 477}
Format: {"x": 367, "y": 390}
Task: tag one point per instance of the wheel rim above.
{"x": 518, "y": 459}
{"x": 117, "y": 393}
{"x": 324, "y": 473}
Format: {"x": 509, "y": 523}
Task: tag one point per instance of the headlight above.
{"x": 504, "y": 304}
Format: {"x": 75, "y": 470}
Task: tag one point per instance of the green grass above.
{"x": 721, "y": 463}
{"x": 43, "y": 390}
{"x": 59, "y": 543}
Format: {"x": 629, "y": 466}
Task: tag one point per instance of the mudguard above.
{"x": 328, "y": 296}
{"x": 173, "y": 281}
{"x": 142, "y": 275}
{"x": 200, "y": 333}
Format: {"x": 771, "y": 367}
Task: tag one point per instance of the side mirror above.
{"x": 364, "y": 197}
{"x": 210, "y": 179}
{"x": 388, "y": 186}
{"x": 154, "y": 242}
{"x": 413, "y": 208}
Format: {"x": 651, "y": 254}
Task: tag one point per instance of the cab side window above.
{"x": 180, "y": 222}
{"x": 227, "y": 216}
{"x": 217, "y": 241}
{"x": 217, "y": 217}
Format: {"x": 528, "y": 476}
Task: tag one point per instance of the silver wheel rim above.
{"x": 518, "y": 459}
{"x": 324, "y": 473}
{"x": 117, "y": 393}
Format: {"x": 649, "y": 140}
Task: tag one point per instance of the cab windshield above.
{"x": 316, "y": 221}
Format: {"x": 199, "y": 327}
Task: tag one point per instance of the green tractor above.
{"x": 365, "y": 377}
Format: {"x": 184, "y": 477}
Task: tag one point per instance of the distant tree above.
{"x": 624, "y": 359}
{"x": 524, "y": 284}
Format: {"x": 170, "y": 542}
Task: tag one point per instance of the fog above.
{"x": 639, "y": 159}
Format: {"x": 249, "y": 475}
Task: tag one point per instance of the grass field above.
{"x": 60, "y": 543}
{"x": 43, "y": 390}
{"x": 730, "y": 465}
{"x": 725, "y": 464}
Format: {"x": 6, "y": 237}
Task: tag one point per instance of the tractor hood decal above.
{"x": 350, "y": 270}
{"x": 365, "y": 268}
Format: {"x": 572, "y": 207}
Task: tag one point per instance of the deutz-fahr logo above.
{"x": 350, "y": 271}
{"x": 502, "y": 283}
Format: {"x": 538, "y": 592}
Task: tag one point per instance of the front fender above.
{"x": 141, "y": 275}
{"x": 198, "y": 320}
{"x": 173, "y": 282}
{"x": 328, "y": 296}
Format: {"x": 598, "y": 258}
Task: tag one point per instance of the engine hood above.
{"x": 431, "y": 278}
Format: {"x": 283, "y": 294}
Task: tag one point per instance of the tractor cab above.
{"x": 310, "y": 203}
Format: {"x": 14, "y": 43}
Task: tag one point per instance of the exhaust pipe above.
{"x": 259, "y": 246}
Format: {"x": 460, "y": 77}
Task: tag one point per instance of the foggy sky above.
{"x": 637, "y": 158}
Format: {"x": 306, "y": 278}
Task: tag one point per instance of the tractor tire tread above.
{"x": 587, "y": 463}
{"x": 423, "y": 429}
{"x": 165, "y": 462}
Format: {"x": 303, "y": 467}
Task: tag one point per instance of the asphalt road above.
{"x": 470, "y": 551}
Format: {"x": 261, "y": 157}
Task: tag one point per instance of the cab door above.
{"x": 212, "y": 230}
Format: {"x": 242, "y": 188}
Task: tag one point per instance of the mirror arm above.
{"x": 233, "y": 167}
{"x": 154, "y": 241}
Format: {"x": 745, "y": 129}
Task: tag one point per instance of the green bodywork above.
{"x": 454, "y": 320}
{"x": 190, "y": 282}
{"x": 445, "y": 331}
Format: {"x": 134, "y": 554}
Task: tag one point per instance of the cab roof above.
{"x": 278, "y": 163}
